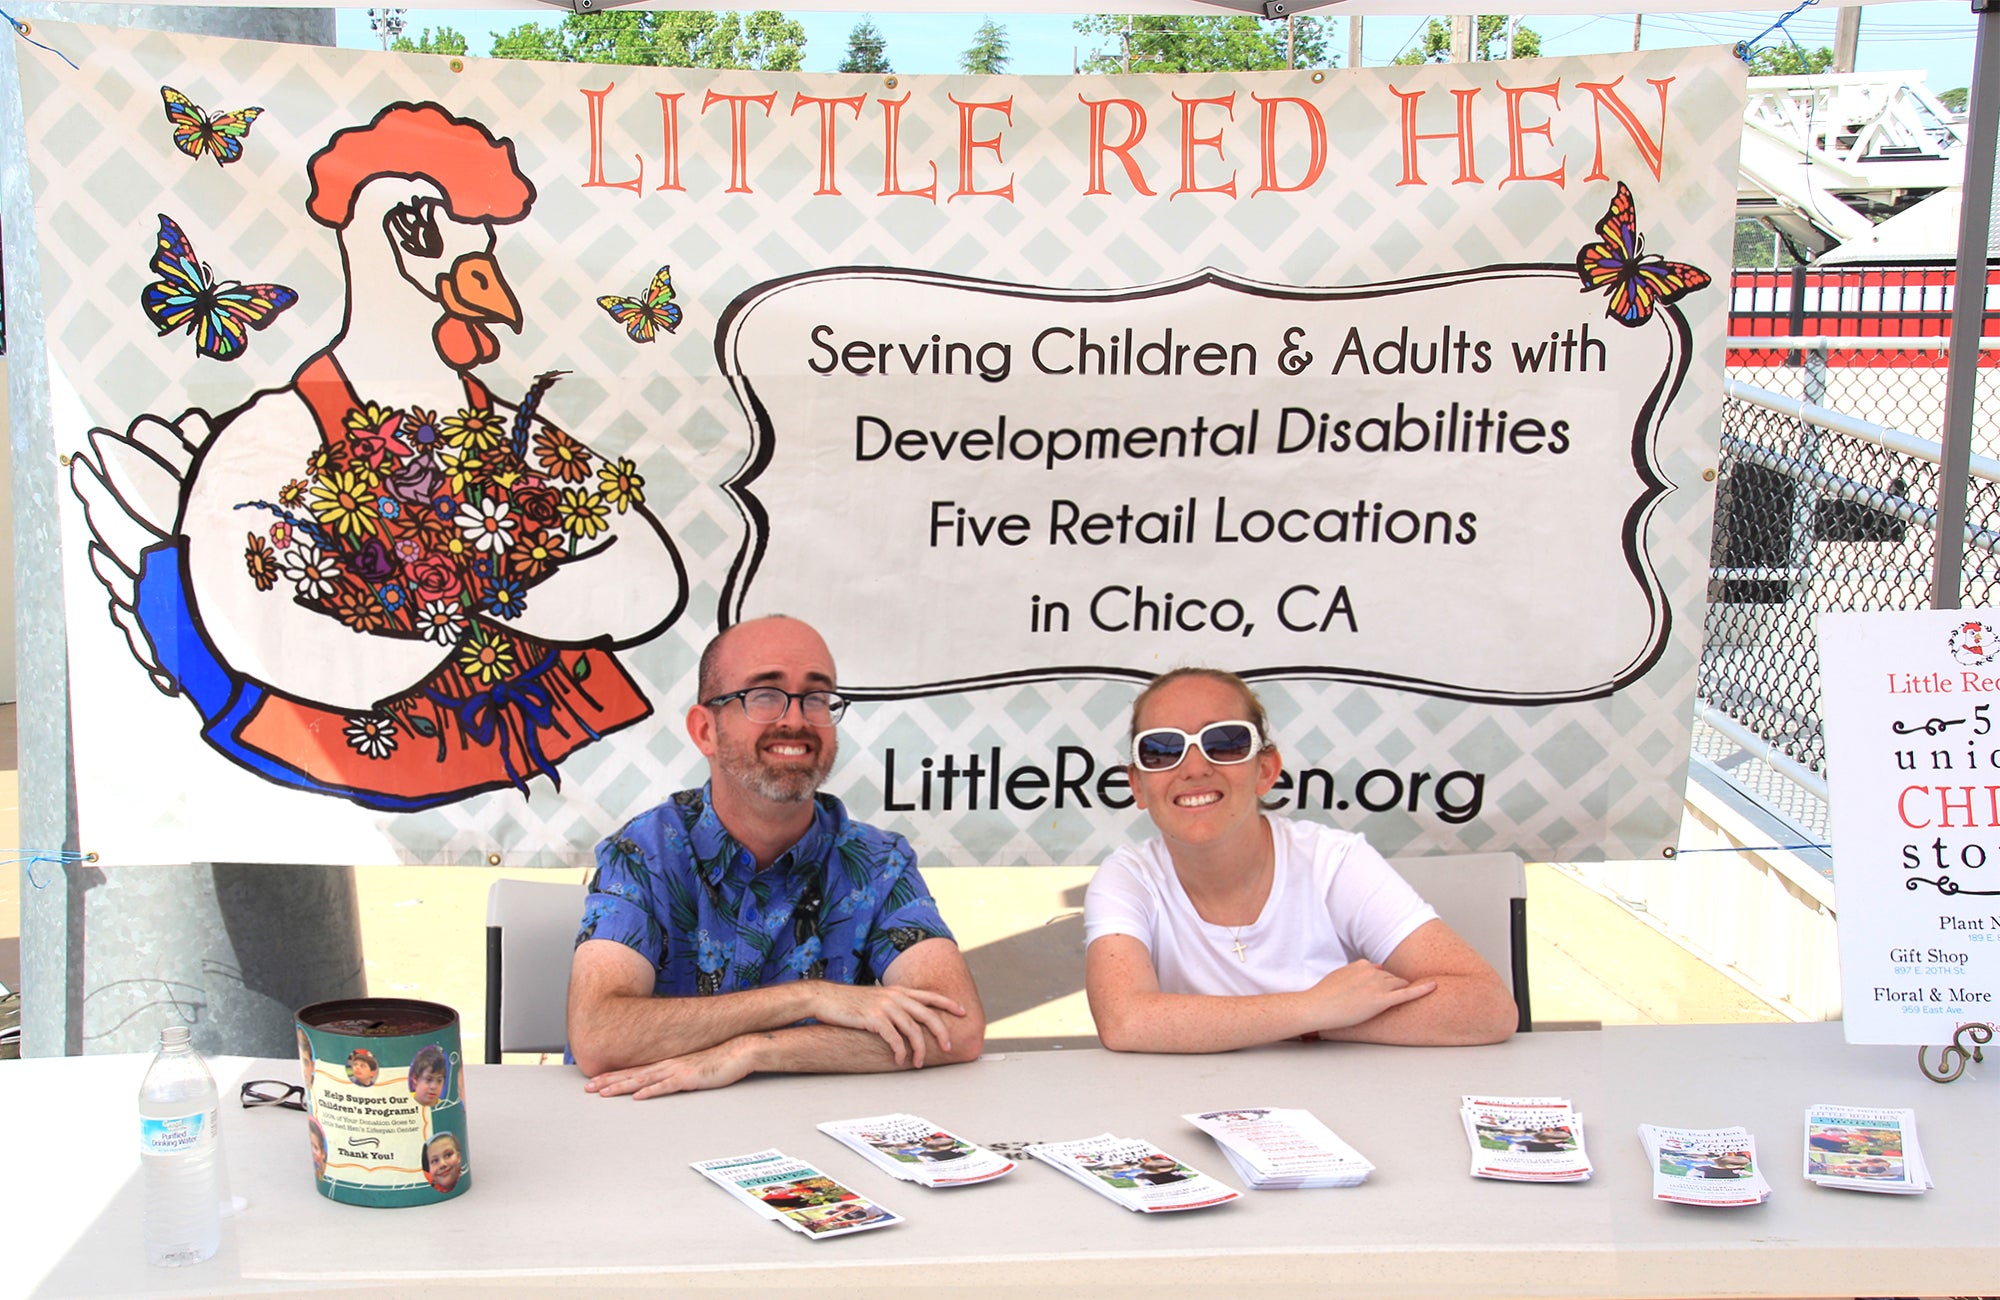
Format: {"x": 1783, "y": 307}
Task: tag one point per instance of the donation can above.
{"x": 385, "y": 1083}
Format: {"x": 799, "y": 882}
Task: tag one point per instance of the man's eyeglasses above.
{"x": 769, "y": 704}
{"x": 1161, "y": 749}
{"x": 270, "y": 1092}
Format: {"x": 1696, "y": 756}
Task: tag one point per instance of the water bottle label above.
{"x": 173, "y": 1135}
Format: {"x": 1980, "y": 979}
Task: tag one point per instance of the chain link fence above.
{"x": 1826, "y": 500}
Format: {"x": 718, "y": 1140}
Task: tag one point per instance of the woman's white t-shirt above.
{"x": 1333, "y": 899}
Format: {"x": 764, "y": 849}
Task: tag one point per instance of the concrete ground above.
{"x": 423, "y": 936}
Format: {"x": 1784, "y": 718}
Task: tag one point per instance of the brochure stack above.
{"x": 1866, "y": 1149}
{"x": 1134, "y": 1173}
{"x": 915, "y": 1150}
{"x": 795, "y": 1194}
{"x": 1525, "y": 1139}
{"x": 1270, "y": 1147}
{"x": 1704, "y": 1166}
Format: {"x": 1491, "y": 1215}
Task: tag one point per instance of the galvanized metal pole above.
{"x": 1968, "y": 308}
{"x": 109, "y": 956}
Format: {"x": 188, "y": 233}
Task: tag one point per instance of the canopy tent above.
{"x": 1263, "y": 9}
{"x": 1259, "y": 8}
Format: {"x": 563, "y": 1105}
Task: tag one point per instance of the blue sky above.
{"x": 1935, "y": 35}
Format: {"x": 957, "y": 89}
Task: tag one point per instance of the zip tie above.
{"x": 1746, "y": 50}
{"x": 61, "y": 857}
{"x": 21, "y": 30}
{"x": 1754, "y": 848}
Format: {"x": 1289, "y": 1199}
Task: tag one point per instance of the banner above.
{"x": 424, "y": 417}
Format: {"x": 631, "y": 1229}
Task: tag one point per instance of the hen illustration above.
{"x": 383, "y": 581}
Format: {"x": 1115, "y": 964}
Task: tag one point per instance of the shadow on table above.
{"x": 1027, "y": 970}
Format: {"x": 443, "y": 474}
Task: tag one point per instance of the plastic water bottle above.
{"x": 177, "y": 1146}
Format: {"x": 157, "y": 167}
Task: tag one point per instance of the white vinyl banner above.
{"x": 426, "y": 416}
{"x": 1912, "y": 706}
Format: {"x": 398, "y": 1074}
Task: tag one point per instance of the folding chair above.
{"x": 530, "y": 931}
{"x": 1484, "y": 898}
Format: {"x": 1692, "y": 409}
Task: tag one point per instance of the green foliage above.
{"x": 867, "y": 50}
{"x": 763, "y": 41}
{"x": 1790, "y": 60}
{"x": 1490, "y": 42}
{"x": 1955, "y": 98}
{"x": 987, "y": 55}
{"x": 448, "y": 40}
{"x": 1164, "y": 44}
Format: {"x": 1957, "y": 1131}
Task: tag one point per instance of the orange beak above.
{"x": 475, "y": 290}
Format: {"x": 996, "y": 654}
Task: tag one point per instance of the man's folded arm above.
{"x": 615, "y": 1020}
{"x": 948, "y": 1026}
{"x": 925, "y": 1011}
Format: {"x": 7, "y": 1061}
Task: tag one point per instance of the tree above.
{"x": 448, "y": 40}
{"x": 387, "y": 24}
{"x": 987, "y": 55}
{"x": 1790, "y": 60}
{"x": 1435, "y": 46}
{"x": 1955, "y": 98}
{"x": 1164, "y": 44}
{"x": 764, "y": 41}
{"x": 867, "y": 51}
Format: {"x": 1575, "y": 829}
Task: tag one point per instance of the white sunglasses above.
{"x": 1161, "y": 749}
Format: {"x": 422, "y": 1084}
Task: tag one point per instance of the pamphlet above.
{"x": 1704, "y": 1166}
{"x": 915, "y": 1150}
{"x": 1134, "y": 1173}
{"x": 1525, "y": 1139}
{"x": 1865, "y": 1148}
{"x": 795, "y": 1194}
{"x": 1270, "y": 1147}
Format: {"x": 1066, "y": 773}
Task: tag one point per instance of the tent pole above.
{"x": 1968, "y": 308}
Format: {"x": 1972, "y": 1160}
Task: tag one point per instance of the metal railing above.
{"x": 1901, "y": 300}
{"x": 1826, "y": 500}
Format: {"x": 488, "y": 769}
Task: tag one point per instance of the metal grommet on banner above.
{"x": 63, "y": 460}
{"x": 1670, "y": 852}
{"x": 890, "y": 81}
{"x": 1319, "y": 77}
{"x": 458, "y": 65}
{"x": 493, "y": 859}
{"x": 1708, "y": 475}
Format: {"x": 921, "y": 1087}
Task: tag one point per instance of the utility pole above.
{"x": 1846, "y": 38}
{"x": 1354, "y": 41}
{"x": 1461, "y": 38}
{"x": 1637, "y": 21}
{"x": 109, "y": 955}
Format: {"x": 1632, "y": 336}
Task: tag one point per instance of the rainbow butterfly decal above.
{"x": 1638, "y": 285}
{"x": 196, "y": 132}
{"x": 645, "y": 317}
{"x": 219, "y": 316}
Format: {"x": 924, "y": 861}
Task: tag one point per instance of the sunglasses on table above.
{"x": 1161, "y": 749}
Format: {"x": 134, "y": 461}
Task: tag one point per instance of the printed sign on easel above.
{"x": 1912, "y": 708}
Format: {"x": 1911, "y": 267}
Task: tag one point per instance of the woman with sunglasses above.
{"x": 1233, "y": 928}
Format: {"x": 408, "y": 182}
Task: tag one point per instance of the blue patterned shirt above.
{"x": 676, "y": 888}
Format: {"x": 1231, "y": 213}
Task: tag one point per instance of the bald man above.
{"x": 751, "y": 925}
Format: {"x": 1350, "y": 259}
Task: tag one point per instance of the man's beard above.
{"x": 744, "y": 763}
